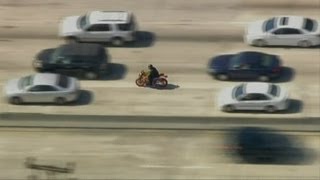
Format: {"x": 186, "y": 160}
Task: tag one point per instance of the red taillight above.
{"x": 276, "y": 70}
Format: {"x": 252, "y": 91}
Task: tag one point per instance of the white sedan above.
{"x": 41, "y": 88}
{"x": 284, "y": 31}
{"x": 253, "y": 96}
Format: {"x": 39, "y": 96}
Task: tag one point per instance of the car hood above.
{"x": 220, "y": 62}
{"x": 256, "y": 28}
{"x": 12, "y": 87}
{"x": 225, "y": 97}
{"x": 69, "y": 26}
{"x": 45, "y": 55}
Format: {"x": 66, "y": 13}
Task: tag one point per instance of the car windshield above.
{"x": 26, "y": 81}
{"x": 238, "y": 91}
{"x": 274, "y": 90}
{"x": 267, "y": 61}
{"x": 269, "y": 24}
{"x": 56, "y": 55}
{"x": 82, "y": 22}
{"x": 309, "y": 25}
{"x": 237, "y": 60}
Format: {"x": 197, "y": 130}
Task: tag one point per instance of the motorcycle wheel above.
{"x": 139, "y": 82}
{"x": 160, "y": 83}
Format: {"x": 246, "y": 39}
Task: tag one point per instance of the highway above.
{"x": 147, "y": 154}
{"x": 119, "y": 131}
{"x": 179, "y": 38}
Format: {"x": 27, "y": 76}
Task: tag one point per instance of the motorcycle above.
{"x": 160, "y": 82}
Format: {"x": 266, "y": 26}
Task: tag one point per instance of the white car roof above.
{"x": 102, "y": 17}
{"x": 256, "y": 87}
{"x": 45, "y": 79}
{"x": 291, "y": 22}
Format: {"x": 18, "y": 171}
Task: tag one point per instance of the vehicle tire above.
{"x": 16, "y": 100}
{"x": 264, "y": 78}
{"x": 260, "y": 43}
{"x": 117, "y": 41}
{"x": 140, "y": 82}
{"x": 60, "y": 100}
{"x": 228, "y": 108}
{"x": 90, "y": 75}
{"x": 160, "y": 83}
{"x": 71, "y": 40}
{"x": 304, "y": 44}
{"x": 222, "y": 77}
{"x": 270, "y": 109}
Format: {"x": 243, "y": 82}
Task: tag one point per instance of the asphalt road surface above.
{"x": 178, "y": 37}
{"x": 147, "y": 154}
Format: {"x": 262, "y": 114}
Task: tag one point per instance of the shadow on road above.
{"x": 170, "y": 87}
{"x": 287, "y": 75}
{"x": 255, "y": 145}
{"x": 85, "y": 98}
{"x": 143, "y": 39}
{"x": 116, "y": 72}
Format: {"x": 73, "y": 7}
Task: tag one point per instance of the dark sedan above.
{"x": 245, "y": 65}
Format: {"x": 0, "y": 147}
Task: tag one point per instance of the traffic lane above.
{"x": 145, "y": 154}
{"x": 145, "y": 101}
{"x": 155, "y": 16}
{"x": 19, "y": 54}
{"x": 187, "y": 76}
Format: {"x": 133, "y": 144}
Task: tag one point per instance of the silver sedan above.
{"x": 42, "y": 88}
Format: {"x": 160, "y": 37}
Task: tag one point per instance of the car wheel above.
{"x": 60, "y": 101}
{"x": 228, "y": 108}
{"x": 117, "y": 41}
{"x": 270, "y": 109}
{"x": 91, "y": 75}
{"x": 304, "y": 44}
{"x": 264, "y": 78}
{"x": 16, "y": 100}
{"x": 260, "y": 43}
{"x": 222, "y": 77}
{"x": 71, "y": 40}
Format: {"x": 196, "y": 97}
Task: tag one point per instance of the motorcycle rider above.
{"x": 153, "y": 73}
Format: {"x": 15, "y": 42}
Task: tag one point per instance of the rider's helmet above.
{"x": 150, "y": 66}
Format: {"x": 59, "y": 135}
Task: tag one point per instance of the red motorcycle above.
{"x": 160, "y": 82}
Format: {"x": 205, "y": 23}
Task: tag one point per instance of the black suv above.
{"x": 81, "y": 60}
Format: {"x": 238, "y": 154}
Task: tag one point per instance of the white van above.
{"x": 116, "y": 27}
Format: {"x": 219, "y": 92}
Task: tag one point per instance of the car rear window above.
{"x": 274, "y": 90}
{"x": 63, "y": 81}
{"x": 309, "y": 24}
{"x": 127, "y": 26}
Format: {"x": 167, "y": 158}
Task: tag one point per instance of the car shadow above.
{"x": 86, "y": 97}
{"x": 116, "y": 72}
{"x": 255, "y": 145}
{"x": 143, "y": 39}
{"x": 290, "y": 47}
{"x": 287, "y": 75}
{"x": 295, "y": 106}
